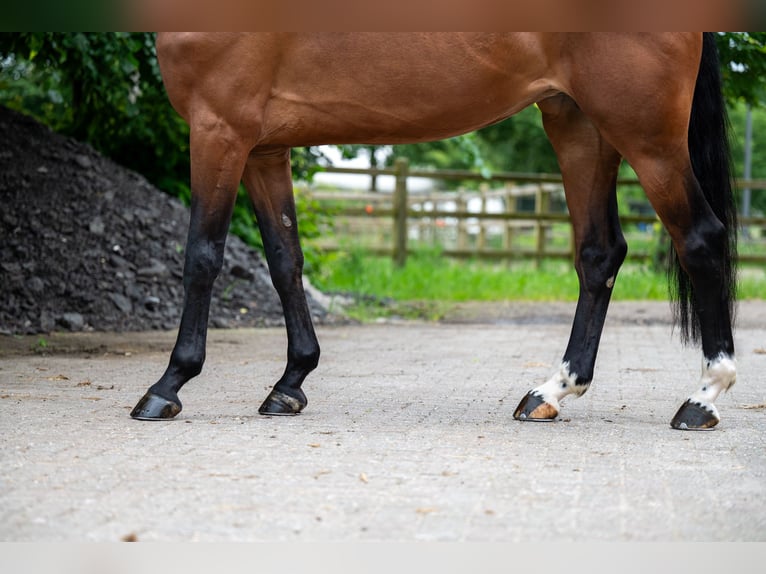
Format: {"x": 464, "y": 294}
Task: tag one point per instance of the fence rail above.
{"x": 465, "y": 231}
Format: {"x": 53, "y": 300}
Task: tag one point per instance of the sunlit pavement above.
{"x": 408, "y": 435}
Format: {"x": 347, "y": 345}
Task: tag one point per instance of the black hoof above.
{"x": 694, "y": 416}
{"x": 153, "y": 407}
{"x": 279, "y": 403}
{"x": 533, "y": 408}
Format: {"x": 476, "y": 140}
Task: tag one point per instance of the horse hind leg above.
{"x": 589, "y": 168}
{"x": 699, "y": 239}
{"x": 699, "y": 412}
{"x": 705, "y": 282}
{"x": 682, "y": 162}
{"x": 269, "y": 184}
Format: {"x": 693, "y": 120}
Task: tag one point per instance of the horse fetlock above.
{"x": 186, "y": 364}
{"x": 543, "y": 402}
{"x": 718, "y": 375}
{"x": 564, "y": 383}
{"x": 699, "y": 411}
{"x": 305, "y": 360}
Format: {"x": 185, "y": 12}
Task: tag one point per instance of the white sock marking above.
{"x": 718, "y": 375}
{"x": 560, "y": 385}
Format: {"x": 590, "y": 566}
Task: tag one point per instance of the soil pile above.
{"x": 88, "y": 245}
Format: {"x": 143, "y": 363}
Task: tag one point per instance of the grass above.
{"x": 429, "y": 284}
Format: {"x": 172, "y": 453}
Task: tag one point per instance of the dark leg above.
{"x": 217, "y": 166}
{"x": 699, "y": 239}
{"x": 589, "y": 168}
{"x": 269, "y": 183}
{"x": 662, "y": 162}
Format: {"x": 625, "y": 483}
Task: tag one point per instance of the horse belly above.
{"x": 400, "y": 88}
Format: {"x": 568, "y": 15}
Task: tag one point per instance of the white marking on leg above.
{"x": 718, "y": 375}
{"x": 610, "y": 282}
{"x": 560, "y": 385}
{"x": 286, "y": 221}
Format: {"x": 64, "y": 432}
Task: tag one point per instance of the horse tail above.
{"x": 711, "y": 163}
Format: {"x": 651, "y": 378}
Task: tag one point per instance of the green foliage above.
{"x": 106, "y": 89}
{"x": 743, "y": 66}
{"x": 737, "y": 118}
{"x": 518, "y": 144}
{"x": 453, "y": 153}
{"x": 428, "y": 276}
{"x": 101, "y": 88}
{"x": 429, "y": 283}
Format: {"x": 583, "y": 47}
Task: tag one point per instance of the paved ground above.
{"x": 408, "y": 436}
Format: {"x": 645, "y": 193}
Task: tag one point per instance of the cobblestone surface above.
{"x": 408, "y": 436}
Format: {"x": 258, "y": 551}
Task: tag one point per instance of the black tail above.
{"x": 711, "y": 160}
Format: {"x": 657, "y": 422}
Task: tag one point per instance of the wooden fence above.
{"x": 531, "y": 208}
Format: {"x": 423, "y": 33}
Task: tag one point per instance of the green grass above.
{"x": 429, "y": 283}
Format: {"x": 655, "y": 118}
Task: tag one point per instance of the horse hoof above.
{"x": 281, "y": 404}
{"x": 153, "y": 407}
{"x": 534, "y": 408}
{"x": 695, "y": 416}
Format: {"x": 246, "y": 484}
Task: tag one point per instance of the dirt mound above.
{"x": 88, "y": 245}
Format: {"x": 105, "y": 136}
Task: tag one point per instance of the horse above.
{"x": 654, "y": 100}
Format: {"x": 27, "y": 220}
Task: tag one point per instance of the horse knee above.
{"x": 204, "y": 260}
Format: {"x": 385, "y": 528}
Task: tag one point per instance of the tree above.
{"x": 106, "y": 89}
{"x": 743, "y": 66}
{"x": 102, "y": 88}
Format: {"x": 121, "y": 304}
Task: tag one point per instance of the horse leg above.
{"x": 589, "y": 168}
{"x": 699, "y": 238}
{"x": 217, "y": 158}
{"x": 678, "y": 147}
{"x": 269, "y": 182}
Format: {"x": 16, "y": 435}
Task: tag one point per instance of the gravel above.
{"x": 86, "y": 245}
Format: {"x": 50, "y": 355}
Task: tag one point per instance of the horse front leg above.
{"x": 589, "y": 169}
{"x": 269, "y": 182}
{"x": 217, "y": 162}
{"x": 597, "y": 264}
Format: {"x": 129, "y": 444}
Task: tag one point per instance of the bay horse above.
{"x": 652, "y": 99}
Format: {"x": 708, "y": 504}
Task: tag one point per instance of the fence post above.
{"x": 401, "y": 168}
{"x": 462, "y": 231}
{"x": 542, "y": 206}
{"x": 511, "y": 205}
{"x": 481, "y": 243}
